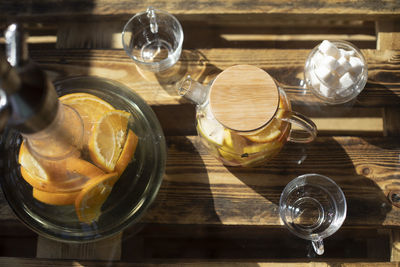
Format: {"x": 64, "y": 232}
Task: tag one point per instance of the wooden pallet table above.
{"x": 207, "y": 213}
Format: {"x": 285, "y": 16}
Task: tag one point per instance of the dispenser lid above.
{"x": 244, "y": 97}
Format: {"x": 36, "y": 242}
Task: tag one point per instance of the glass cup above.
{"x": 336, "y": 92}
{"x": 153, "y": 39}
{"x": 313, "y": 207}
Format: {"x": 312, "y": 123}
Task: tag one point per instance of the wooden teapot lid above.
{"x": 244, "y": 97}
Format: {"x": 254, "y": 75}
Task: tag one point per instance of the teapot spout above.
{"x": 192, "y": 90}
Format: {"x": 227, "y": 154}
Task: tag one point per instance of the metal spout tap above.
{"x": 28, "y": 100}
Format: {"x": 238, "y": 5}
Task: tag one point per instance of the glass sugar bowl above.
{"x": 243, "y": 117}
{"x": 336, "y": 72}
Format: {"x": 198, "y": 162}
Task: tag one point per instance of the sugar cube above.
{"x": 356, "y": 66}
{"x": 329, "y": 49}
{"x": 326, "y": 75}
{"x": 318, "y": 58}
{"x": 325, "y": 91}
{"x": 343, "y": 67}
{"x": 331, "y": 63}
{"x": 346, "y": 81}
{"x": 344, "y": 93}
{"x": 314, "y": 81}
{"x": 347, "y": 53}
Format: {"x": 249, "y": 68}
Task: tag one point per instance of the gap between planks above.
{"x": 6, "y": 261}
{"x": 108, "y": 249}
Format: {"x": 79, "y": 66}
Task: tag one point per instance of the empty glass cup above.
{"x": 313, "y": 207}
{"x": 153, "y": 39}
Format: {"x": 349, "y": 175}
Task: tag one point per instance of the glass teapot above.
{"x": 244, "y": 117}
{"x": 55, "y": 162}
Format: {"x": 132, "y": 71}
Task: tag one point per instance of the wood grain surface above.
{"x": 197, "y": 189}
{"x": 33, "y": 9}
{"x": 286, "y": 66}
{"x": 201, "y": 190}
{"x": 64, "y": 263}
{"x": 206, "y": 211}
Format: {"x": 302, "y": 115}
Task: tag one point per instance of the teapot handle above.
{"x": 309, "y": 128}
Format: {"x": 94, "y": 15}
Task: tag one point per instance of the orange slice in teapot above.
{"x": 268, "y": 134}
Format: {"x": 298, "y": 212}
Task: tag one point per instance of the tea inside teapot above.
{"x": 243, "y": 117}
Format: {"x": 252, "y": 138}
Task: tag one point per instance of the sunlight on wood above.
{"x": 349, "y": 124}
{"x": 297, "y": 37}
{"x": 37, "y": 39}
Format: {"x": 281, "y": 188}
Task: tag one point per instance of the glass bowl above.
{"x": 131, "y": 195}
{"x": 336, "y": 98}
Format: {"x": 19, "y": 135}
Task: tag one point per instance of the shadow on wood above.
{"x": 366, "y": 202}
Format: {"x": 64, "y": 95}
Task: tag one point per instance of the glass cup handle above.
{"x": 303, "y": 122}
{"x": 318, "y": 246}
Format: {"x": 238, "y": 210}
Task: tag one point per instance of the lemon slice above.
{"x": 211, "y": 130}
{"x": 268, "y": 134}
{"x": 89, "y": 201}
{"x": 270, "y": 147}
{"x": 108, "y": 138}
{"x": 58, "y": 199}
{"x": 127, "y": 152}
{"x": 229, "y": 155}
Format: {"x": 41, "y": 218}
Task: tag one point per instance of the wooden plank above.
{"x": 103, "y": 34}
{"x": 241, "y": 243}
{"x": 5, "y": 211}
{"x": 391, "y": 121}
{"x": 107, "y": 34}
{"x": 362, "y": 8}
{"x": 197, "y": 189}
{"x": 23, "y": 262}
{"x": 388, "y": 35}
{"x": 162, "y": 242}
{"x": 349, "y": 126}
{"x": 16, "y": 240}
{"x": 395, "y": 245}
{"x": 108, "y": 249}
{"x": 286, "y": 66}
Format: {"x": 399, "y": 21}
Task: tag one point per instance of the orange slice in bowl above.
{"x": 89, "y": 201}
{"x": 58, "y": 199}
{"x": 78, "y": 172}
{"x": 108, "y": 138}
{"x": 27, "y": 161}
{"x": 38, "y": 182}
{"x": 89, "y": 107}
{"x": 127, "y": 152}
